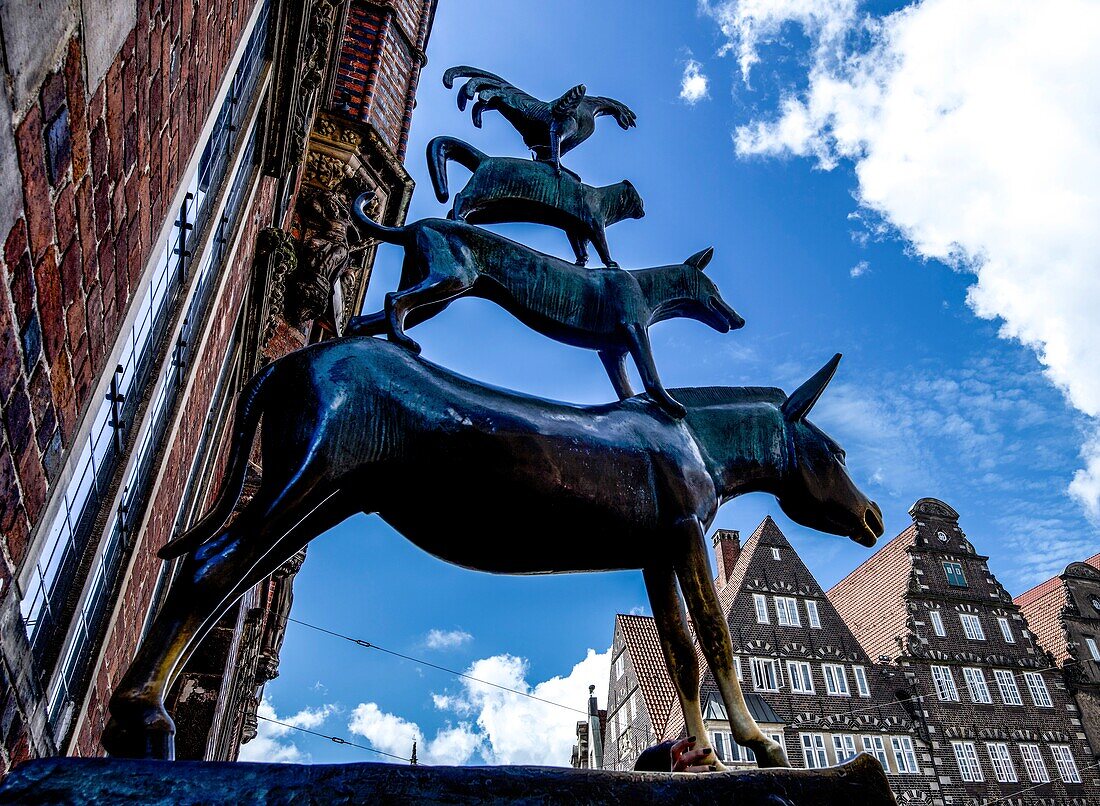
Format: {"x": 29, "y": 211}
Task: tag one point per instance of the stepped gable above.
{"x": 648, "y": 665}
{"x": 871, "y": 599}
{"x": 1042, "y": 607}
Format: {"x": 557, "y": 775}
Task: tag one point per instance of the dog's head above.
{"x": 690, "y": 293}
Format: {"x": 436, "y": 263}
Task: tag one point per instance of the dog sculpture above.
{"x": 609, "y": 310}
{"x": 549, "y": 128}
{"x": 506, "y": 189}
{"x": 496, "y": 481}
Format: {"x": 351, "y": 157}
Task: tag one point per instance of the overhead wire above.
{"x": 334, "y": 739}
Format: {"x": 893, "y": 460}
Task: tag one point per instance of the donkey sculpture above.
{"x": 457, "y": 467}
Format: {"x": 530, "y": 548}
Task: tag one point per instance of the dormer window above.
{"x": 955, "y": 576}
{"x": 775, "y": 553}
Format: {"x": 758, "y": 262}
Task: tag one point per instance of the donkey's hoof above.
{"x": 153, "y": 736}
{"x": 771, "y": 755}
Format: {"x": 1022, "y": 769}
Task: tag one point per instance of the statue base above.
{"x": 126, "y": 781}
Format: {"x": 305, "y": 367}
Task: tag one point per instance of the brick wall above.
{"x": 99, "y": 169}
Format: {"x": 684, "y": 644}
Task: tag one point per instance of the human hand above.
{"x": 685, "y": 758}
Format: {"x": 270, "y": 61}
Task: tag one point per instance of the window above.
{"x": 786, "y": 612}
{"x": 844, "y": 747}
{"x": 761, "y": 603}
{"x": 976, "y": 685}
{"x": 775, "y": 554}
{"x": 1037, "y": 688}
{"x": 954, "y": 572}
{"x": 876, "y": 746}
{"x": 1094, "y": 651}
{"x": 861, "y": 681}
{"x": 737, "y": 666}
{"x": 972, "y": 626}
{"x": 945, "y": 684}
{"x": 765, "y": 675}
{"x": 727, "y": 749}
{"x": 967, "y": 757}
{"x": 801, "y": 680}
{"x": 1003, "y": 768}
{"x": 620, "y": 664}
{"x": 1034, "y": 764}
{"x": 812, "y": 615}
{"x": 1006, "y": 684}
{"x": 718, "y": 742}
{"x": 836, "y": 681}
{"x": 1006, "y": 630}
{"x": 1063, "y": 760}
{"x": 904, "y": 758}
{"x": 937, "y": 623}
{"x": 813, "y": 748}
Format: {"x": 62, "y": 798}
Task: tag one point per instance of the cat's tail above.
{"x": 442, "y": 149}
{"x": 398, "y": 235}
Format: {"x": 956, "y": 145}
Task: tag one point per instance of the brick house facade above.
{"x": 154, "y": 158}
{"x": 1064, "y": 616}
{"x": 1000, "y": 720}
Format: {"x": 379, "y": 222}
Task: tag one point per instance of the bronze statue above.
{"x": 358, "y": 425}
{"x": 506, "y": 189}
{"x": 549, "y": 128}
{"x": 609, "y": 310}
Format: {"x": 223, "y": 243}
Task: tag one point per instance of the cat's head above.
{"x": 625, "y": 203}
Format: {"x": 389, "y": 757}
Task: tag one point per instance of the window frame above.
{"x": 1065, "y": 763}
{"x": 876, "y": 746}
{"x": 787, "y": 615}
{"x": 770, "y": 663}
{"x": 1094, "y": 650}
{"x": 1006, "y": 679}
{"x": 956, "y": 576}
{"x": 949, "y": 692}
{"x": 844, "y": 747}
{"x": 863, "y": 688}
{"x": 1035, "y": 681}
{"x": 836, "y": 678}
{"x": 966, "y": 758}
{"x": 760, "y": 602}
{"x": 813, "y": 615}
{"x": 972, "y": 627}
{"x": 814, "y": 750}
{"x": 792, "y": 676}
{"x": 936, "y": 617}
{"x": 1034, "y": 764}
{"x": 905, "y": 755}
{"x": 1006, "y": 630}
{"x": 976, "y": 682}
{"x": 1004, "y": 770}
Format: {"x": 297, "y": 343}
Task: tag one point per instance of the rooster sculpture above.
{"x": 549, "y": 128}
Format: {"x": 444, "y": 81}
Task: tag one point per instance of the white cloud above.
{"x": 447, "y": 639}
{"x": 272, "y": 744}
{"x": 860, "y": 269}
{"x": 972, "y": 127}
{"x": 693, "y": 84}
{"x": 498, "y": 726}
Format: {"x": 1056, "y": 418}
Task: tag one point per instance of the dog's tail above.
{"x": 441, "y": 149}
{"x": 397, "y": 235}
{"x": 249, "y": 408}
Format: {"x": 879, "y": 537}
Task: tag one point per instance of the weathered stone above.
{"x": 121, "y": 781}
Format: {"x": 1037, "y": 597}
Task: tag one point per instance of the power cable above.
{"x": 335, "y": 739}
{"x": 1028, "y": 789}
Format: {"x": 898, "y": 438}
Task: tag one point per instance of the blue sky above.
{"x": 851, "y": 209}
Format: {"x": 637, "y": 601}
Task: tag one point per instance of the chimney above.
{"x": 727, "y": 545}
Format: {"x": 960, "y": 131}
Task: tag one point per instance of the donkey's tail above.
{"x": 398, "y": 235}
{"x": 249, "y": 408}
{"x": 441, "y": 149}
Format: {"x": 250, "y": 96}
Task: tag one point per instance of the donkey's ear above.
{"x": 700, "y": 259}
{"x": 802, "y": 399}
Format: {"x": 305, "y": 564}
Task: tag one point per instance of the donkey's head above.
{"x": 815, "y": 490}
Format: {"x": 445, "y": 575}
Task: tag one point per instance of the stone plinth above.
{"x": 122, "y": 781}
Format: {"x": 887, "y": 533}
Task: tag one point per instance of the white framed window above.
{"x": 737, "y": 667}
{"x": 836, "y": 681}
{"x": 967, "y": 757}
{"x": 1003, "y": 768}
{"x": 775, "y": 553}
{"x": 976, "y": 686}
{"x": 1034, "y": 764}
{"x": 972, "y": 626}
{"x": 1037, "y": 688}
{"x": 945, "y": 684}
{"x": 786, "y": 612}
{"x": 620, "y": 664}
{"x": 761, "y": 603}
{"x": 812, "y": 616}
{"x": 876, "y": 746}
{"x": 862, "y": 689}
{"x": 765, "y": 674}
{"x": 1063, "y": 760}
{"x": 905, "y": 758}
{"x": 718, "y": 742}
{"x": 813, "y": 748}
{"x": 1006, "y": 630}
{"x": 844, "y": 747}
{"x": 1006, "y": 684}
{"x": 937, "y": 623}
{"x": 799, "y": 677}
{"x": 1094, "y": 651}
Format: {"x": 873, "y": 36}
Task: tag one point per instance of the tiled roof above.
{"x": 1042, "y": 607}
{"x": 871, "y": 599}
{"x": 642, "y": 642}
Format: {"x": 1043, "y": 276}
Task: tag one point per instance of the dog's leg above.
{"x": 370, "y": 324}
{"x": 642, "y": 353}
{"x": 714, "y": 637}
{"x": 615, "y": 364}
{"x": 677, "y": 647}
{"x": 433, "y": 290}
{"x": 580, "y": 246}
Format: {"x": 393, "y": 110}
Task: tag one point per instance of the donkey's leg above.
{"x": 642, "y": 352}
{"x": 677, "y": 646}
{"x": 435, "y": 289}
{"x": 714, "y": 637}
{"x": 615, "y": 364}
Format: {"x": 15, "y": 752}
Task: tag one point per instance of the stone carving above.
{"x": 607, "y": 310}
{"x": 934, "y": 508}
{"x": 548, "y": 128}
{"x": 506, "y": 189}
